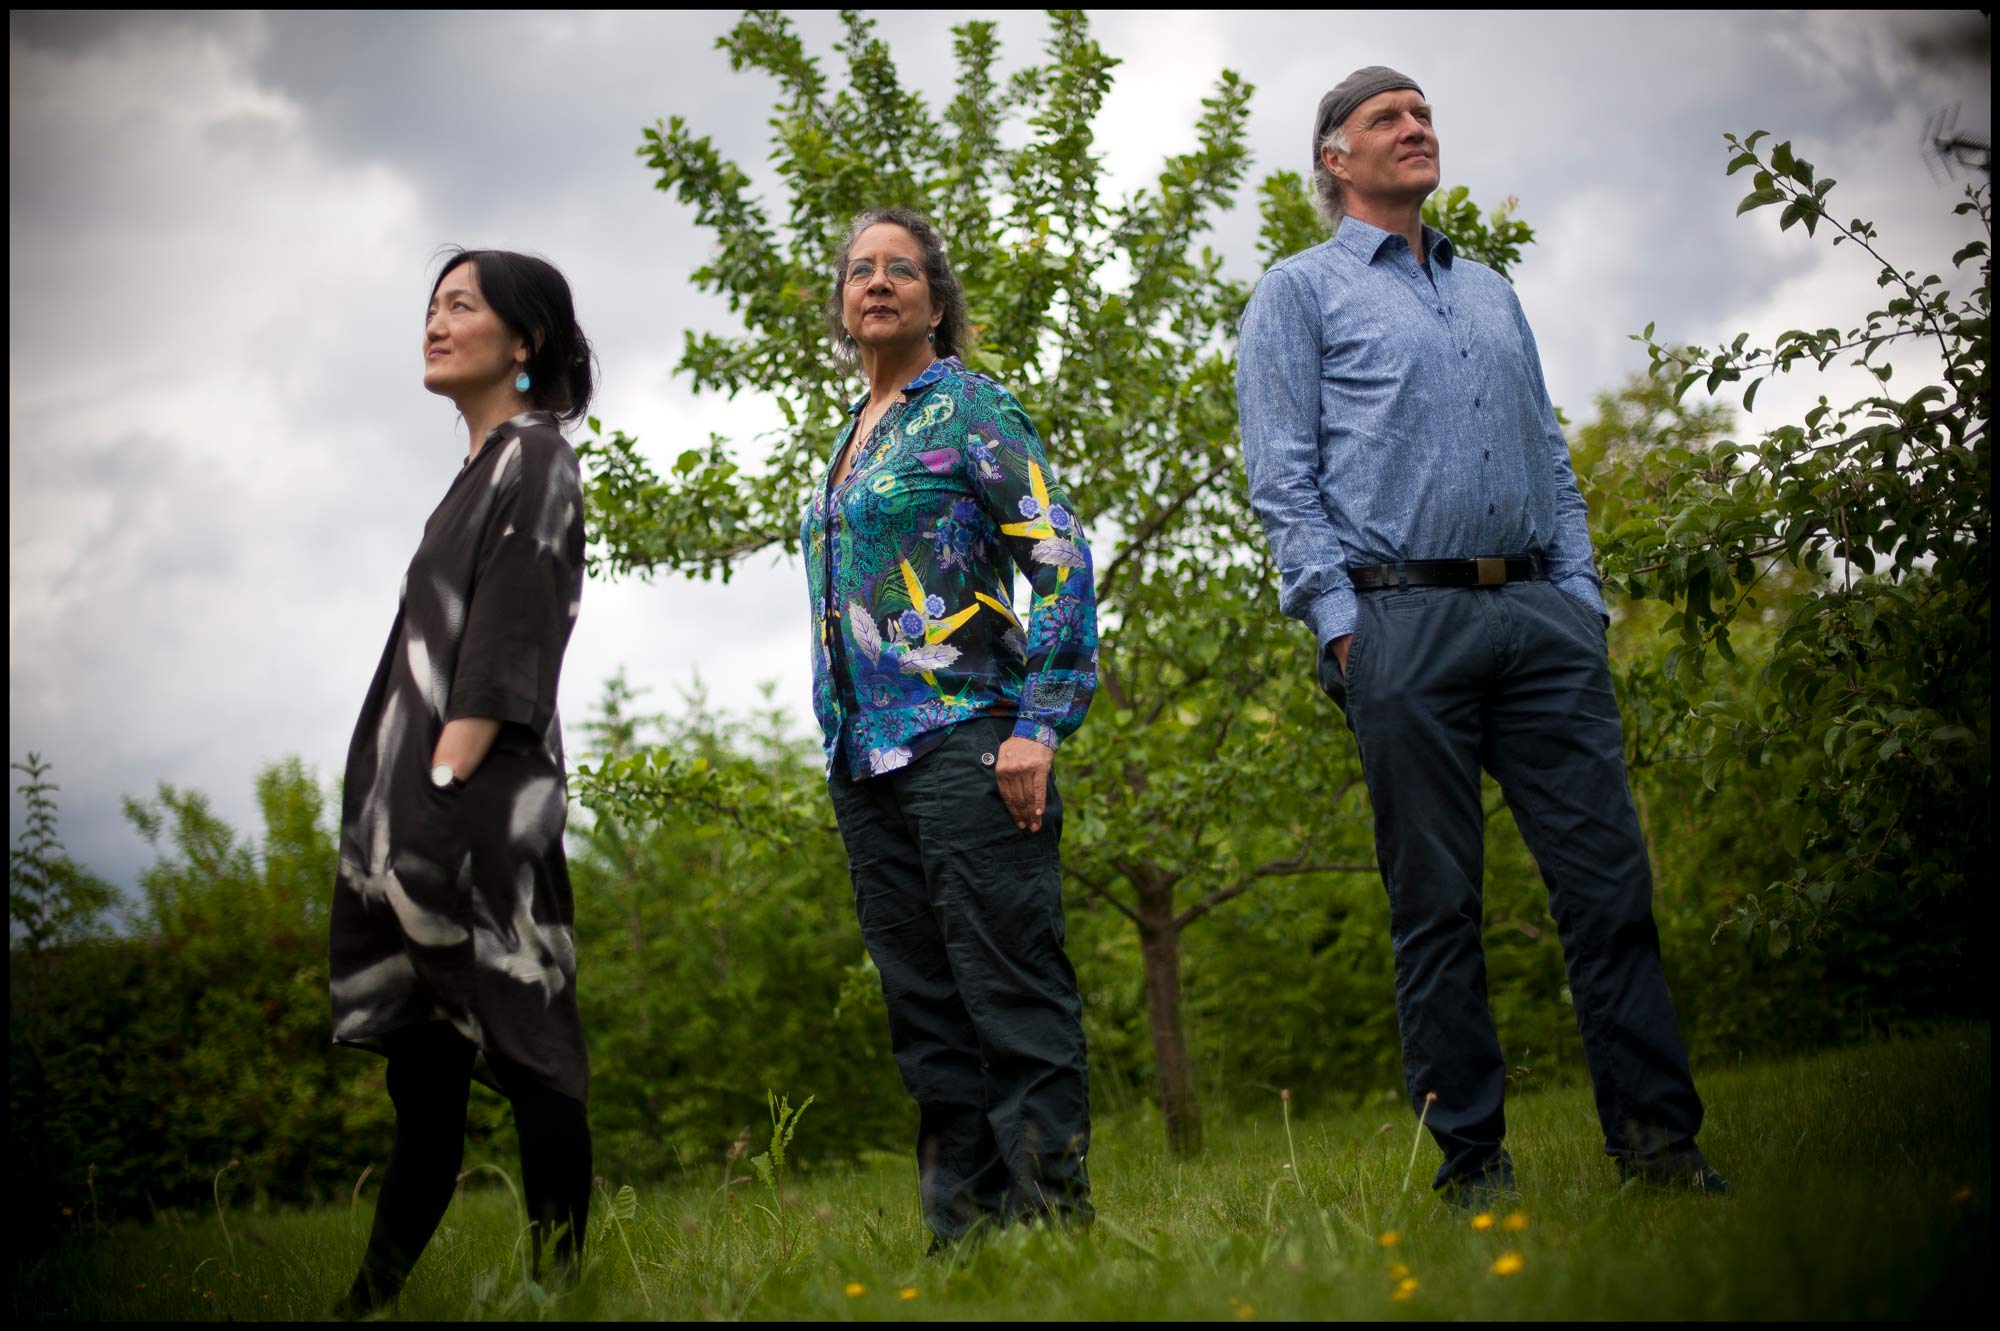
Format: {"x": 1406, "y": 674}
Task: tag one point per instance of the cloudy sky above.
{"x": 220, "y": 455}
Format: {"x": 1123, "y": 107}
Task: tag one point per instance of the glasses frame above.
{"x": 853, "y": 277}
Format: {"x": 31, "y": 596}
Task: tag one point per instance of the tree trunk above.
{"x": 1160, "y": 949}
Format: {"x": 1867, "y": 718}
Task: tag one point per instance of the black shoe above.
{"x": 362, "y": 1300}
{"x": 949, "y": 1250}
{"x": 1481, "y": 1195}
{"x": 1682, "y": 1170}
{"x": 1491, "y": 1189}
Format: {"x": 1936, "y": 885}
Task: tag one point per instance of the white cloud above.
{"x": 220, "y": 456}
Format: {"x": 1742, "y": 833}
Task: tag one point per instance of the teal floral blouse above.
{"x": 910, "y": 565}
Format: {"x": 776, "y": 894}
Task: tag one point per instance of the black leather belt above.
{"x": 1489, "y": 572}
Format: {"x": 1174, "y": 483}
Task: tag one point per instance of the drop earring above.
{"x": 933, "y": 335}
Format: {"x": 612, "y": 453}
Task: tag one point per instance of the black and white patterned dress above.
{"x": 457, "y": 906}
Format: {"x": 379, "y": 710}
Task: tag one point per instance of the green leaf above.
{"x": 1750, "y": 395}
{"x": 1738, "y": 162}
{"x": 1758, "y": 199}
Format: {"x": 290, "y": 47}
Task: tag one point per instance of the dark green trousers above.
{"x": 962, "y": 913}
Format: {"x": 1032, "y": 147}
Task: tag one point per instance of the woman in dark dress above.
{"x": 451, "y": 927}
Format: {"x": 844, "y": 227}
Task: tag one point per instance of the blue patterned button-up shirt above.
{"x": 1391, "y": 413}
{"x": 910, "y": 566}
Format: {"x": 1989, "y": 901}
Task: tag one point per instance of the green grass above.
{"x": 1863, "y": 1190}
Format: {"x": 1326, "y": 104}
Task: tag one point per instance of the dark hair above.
{"x": 533, "y": 300}
{"x": 945, "y": 290}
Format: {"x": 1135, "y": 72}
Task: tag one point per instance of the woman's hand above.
{"x": 465, "y": 744}
{"x": 1023, "y": 773}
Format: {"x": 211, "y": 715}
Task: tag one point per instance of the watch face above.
{"x": 442, "y": 775}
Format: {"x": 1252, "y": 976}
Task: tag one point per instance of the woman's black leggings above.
{"x": 430, "y": 1076}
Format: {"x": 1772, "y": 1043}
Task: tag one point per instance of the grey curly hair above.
{"x": 946, "y": 292}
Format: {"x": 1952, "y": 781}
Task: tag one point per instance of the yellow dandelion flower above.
{"x": 1391, "y": 1239}
{"x": 1408, "y": 1285}
{"x": 1401, "y": 1296}
{"x": 855, "y": 1289}
{"x": 1507, "y": 1264}
{"x": 1515, "y": 1223}
{"x": 906, "y": 1293}
{"x": 1398, "y": 1271}
{"x": 1484, "y": 1220}
{"x": 1246, "y": 1312}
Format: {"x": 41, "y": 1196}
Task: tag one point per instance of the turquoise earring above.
{"x": 522, "y": 383}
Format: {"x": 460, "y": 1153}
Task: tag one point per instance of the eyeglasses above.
{"x": 901, "y": 271}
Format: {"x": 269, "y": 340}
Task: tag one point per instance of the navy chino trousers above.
{"x": 962, "y": 913}
{"x": 1440, "y": 683}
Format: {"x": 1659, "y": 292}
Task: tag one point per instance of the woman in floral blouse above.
{"x": 942, "y": 711}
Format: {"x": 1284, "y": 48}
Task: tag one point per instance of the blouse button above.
{"x": 986, "y": 760}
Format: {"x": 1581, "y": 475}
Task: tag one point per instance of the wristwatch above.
{"x": 445, "y": 779}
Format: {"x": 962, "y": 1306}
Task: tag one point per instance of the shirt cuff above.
{"x": 1584, "y": 589}
{"x": 1036, "y": 731}
{"x": 1332, "y": 615}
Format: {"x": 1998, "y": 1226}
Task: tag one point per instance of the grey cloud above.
{"x": 77, "y": 32}
{"x": 208, "y": 590}
{"x": 476, "y": 111}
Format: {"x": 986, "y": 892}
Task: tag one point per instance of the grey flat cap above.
{"x": 1351, "y": 92}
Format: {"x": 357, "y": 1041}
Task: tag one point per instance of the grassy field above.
{"x": 1864, "y": 1189}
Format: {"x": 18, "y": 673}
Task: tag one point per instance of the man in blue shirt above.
{"x": 1417, "y": 493}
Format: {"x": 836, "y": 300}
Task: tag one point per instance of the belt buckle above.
{"x": 1492, "y": 572}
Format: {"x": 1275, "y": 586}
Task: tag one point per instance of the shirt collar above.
{"x": 1364, "y": 240}
{"x": 933, "y": 372}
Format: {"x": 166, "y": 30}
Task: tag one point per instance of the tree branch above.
{"x": 1154, "y": 526}
{"x": 1298, "y": 864}
{"x": 1771, "y": 549}
{"x": 1102, "y": 893}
